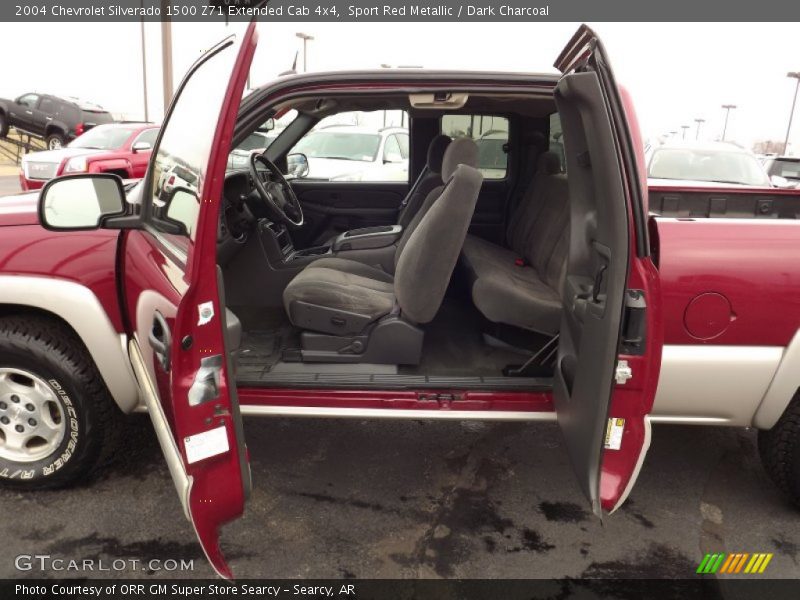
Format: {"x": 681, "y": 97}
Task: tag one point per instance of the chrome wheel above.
{"x": 32, "y": 420}
{"x": 54, "y": 144}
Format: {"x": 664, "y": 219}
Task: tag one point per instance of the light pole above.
{"x": 794, "y": 75}
{"x": 699, "y": 123}
{"x": 684, "y": 127}
{"x": 144, "y": 69}
{"x": 166, "y": 57}
{"x": 727, "y": 108}
{"x": 306, "y": 38}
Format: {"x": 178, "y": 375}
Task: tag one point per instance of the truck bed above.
{"x": 724, "y": 203}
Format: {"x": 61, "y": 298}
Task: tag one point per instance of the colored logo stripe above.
{"x": 738, "y": 562}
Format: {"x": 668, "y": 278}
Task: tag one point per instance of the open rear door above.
{"x": 181, "y": 332}
{"x": 610, "y": 340}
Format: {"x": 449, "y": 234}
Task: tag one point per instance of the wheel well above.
{"x": 53, "y": 129}
{"x": 13, "y": 310}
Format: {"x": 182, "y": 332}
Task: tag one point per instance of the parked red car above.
{"x": 119, "y": 148}
{"x": 573, "y": 295}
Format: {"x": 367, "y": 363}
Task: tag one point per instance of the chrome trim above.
{"x": 782, "y": 388}
{"x": 80, "y": 308}
{"x": 720, "y": 384}
{"x": 685, "y": 420}
{"x": 182, "y": 481}
{"x": 249, "y": 410}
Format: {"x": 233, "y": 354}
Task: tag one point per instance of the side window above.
{"x": 28, "y": 100}
{"x": 148, "y": 137}
{"x": 490, "y": 132}
{"x": 556, "y": 140}
{"x": 182, "y": 155}
{"x": 47, "y": 106}
{"x": 402, "y": 139}
{"x": 347, "y": 147}
{"x": 391, "y": 150}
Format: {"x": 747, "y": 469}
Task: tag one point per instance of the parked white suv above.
{"x": 355, "y": 153}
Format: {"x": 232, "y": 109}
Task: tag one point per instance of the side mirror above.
{"x": 267, "y": 125}
{"x": 780, "y": 182}
{"x": 80, "y": 202}
{"x": 297, "y": 164}
{"x": 141, "y": 147}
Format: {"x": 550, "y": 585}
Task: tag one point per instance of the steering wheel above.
{"x": 277, "y": 194}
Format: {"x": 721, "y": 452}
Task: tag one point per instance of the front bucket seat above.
{"x": 357, "y": 313}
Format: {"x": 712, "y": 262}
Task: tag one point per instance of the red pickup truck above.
{"x": 551, "y": 287}
{"x": 119, "y": 148}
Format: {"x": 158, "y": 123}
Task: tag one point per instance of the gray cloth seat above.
{"x": 429, "y": 179}
{"x": 520, "y": 285}
{"x": 341, "y": 297}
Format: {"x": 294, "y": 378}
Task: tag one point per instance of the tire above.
{"x": 3, "y": 126}
{"x": 779, "y": 448}
{"x": 49, "y": 384}
{"x": 55, "y": 140}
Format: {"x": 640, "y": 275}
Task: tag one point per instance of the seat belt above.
{"x": 411, "y": 192}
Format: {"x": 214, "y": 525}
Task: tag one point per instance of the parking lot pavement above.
{"x": 9, "y": 184}
{"x": 336, "y": 498}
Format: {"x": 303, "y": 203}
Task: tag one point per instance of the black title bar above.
{"x": 397, "y": 10}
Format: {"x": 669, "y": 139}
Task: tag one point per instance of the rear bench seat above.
{"x": 520, "y": 286}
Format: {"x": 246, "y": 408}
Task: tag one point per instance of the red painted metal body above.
{"x": 122, "y": 160}
{"x": 633, "y": 401}
{"x": 88, "y": 257}
{"x": 752, "y": 264}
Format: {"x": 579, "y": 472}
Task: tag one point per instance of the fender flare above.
{"x": 80, "y": 309}
{"x": 56, "y": 125}
{"x": 782, "y": 388}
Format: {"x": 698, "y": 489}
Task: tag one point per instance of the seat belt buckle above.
{"x": 520, "y": 262}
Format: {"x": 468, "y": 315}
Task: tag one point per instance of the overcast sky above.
{"x": 675, "y": 72}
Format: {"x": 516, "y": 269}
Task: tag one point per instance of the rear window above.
{"x": 785, "y": 167}
{"x": 94, "y": 117}
{"x": 490, "y": 133}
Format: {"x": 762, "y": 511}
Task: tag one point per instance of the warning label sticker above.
{"x": 614, "y": 434}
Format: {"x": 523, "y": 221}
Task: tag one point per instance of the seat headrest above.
{"x": 549, "y": 163}
{"x": 436, "y": 152}
{"x": 461, "y": 151}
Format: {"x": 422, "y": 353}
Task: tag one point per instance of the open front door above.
{"x": 181, "y": 334}
{"x": 610, "y": 338}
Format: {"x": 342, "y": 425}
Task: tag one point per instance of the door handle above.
{"x": 49, "y": 118}
{"x": 598, "y": 281}
{"x": 160, "y": 339}
{"x": 28, "y": 112}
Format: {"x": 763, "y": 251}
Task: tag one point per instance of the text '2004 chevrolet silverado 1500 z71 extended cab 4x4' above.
{"x": 546, "y": 291}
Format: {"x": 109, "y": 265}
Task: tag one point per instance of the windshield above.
{"x": 341, "y": 145}
{"x": 103, "y": 138}
{"x": 718, "y": 166}
{"x": 785, "y": 167}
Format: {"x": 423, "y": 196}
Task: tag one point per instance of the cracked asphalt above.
{"x": 387, "y": 499}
